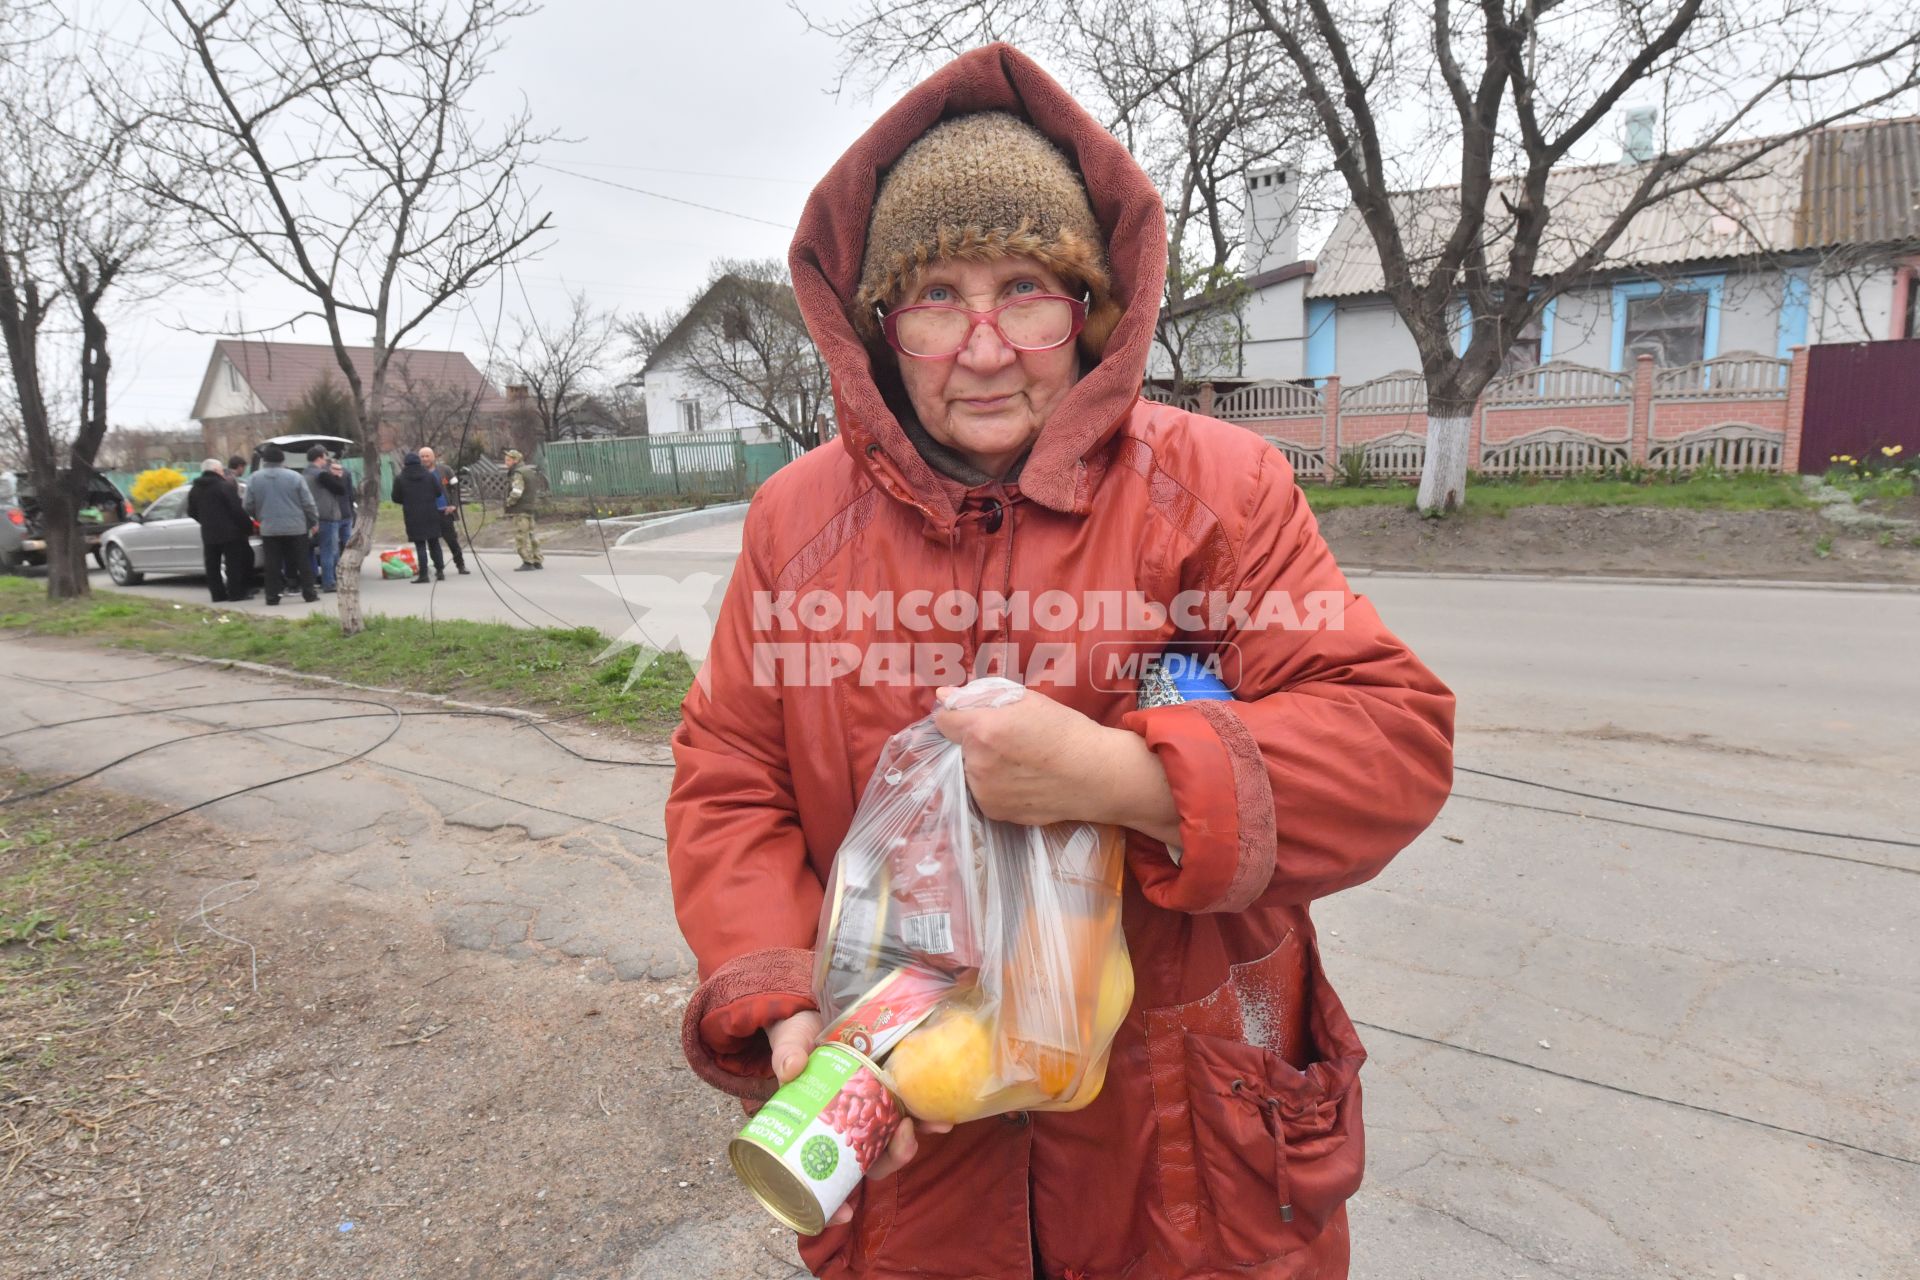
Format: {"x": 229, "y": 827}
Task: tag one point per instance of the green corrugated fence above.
{"x": 689, "y": 464}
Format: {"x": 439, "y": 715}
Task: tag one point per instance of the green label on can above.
{"x": 780, "y": 1123}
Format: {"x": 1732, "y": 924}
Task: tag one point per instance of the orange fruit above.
{"x": 942, "y": 1070}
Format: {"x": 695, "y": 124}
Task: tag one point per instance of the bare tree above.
{"x": 1195, "y": 89}
{"x": 349, "y": 160}
{"x": 556, "y": 363}
{"x": 741, "y": 341}
{"x": 1522, "y": 86}
{"x": 431, "y": 412}
{"x": 131, "y": 448}
{"x": 1504, "y": 96}
{"x": 77, "y": 237}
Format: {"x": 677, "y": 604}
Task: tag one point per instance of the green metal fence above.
{"x": 691, "y": 464}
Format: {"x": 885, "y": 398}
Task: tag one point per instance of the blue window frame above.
{"x": 1322, "y": 351}
{"x": 1796, "y": 300}
{"x": 1625, "y": 292}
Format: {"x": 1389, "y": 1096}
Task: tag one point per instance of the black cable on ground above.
{"x": 1635, "y": 1093}
{"x": 1689, "y": 813}
{"x": 412, "y": 773}
{"x": 56, "y": 680}
{"x": 399, "y": 718}
{"x": 1696, "y": 835}
{"x": 223, "y": 731}
{"x": 536, "y": 726}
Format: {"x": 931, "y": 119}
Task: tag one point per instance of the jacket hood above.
{"x": 830, "y": 244}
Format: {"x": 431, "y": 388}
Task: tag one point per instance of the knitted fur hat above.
{"x": 977, "y": 188}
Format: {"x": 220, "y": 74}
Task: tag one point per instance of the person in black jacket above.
{"x": 214, "y": 503}
{"x": 418, "y": 493}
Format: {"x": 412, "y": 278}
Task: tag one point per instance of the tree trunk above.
{"x": 66, "y": 545}
{"x": 347, "y": 575}
{"x": 1443, "y": 479}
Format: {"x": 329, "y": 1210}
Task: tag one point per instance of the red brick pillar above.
{"x": 1796, "y": 412}
{"x": 1640, "y": 425}
{"x": 1330, "y": 425}
{"x": 1206, "y": 399}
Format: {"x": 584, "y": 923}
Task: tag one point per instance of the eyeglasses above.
{"x": 936, "y": 331}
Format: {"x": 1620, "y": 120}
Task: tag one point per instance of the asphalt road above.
{"x": 1636, "y": 1025}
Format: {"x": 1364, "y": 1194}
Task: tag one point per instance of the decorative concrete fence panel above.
{"x": 1734, "y": 446}
{"x": 1309, "y": 461}
{"x": 1558, "y": 383}
{"x": 1402, "y": 391}
{"x": 1266, "y": 401}
{"x": 1190, "y": 401}
{"x": 1400, "y": 456}
{"x": 1553, "y": 452}
{"x": 1738, "y": 375}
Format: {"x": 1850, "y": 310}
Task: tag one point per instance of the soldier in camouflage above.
{"x": 525, "y": 485}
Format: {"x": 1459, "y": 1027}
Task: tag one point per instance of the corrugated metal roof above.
{"x": 1861, "y": 185}
{"x": 279, "y": 373}
{"x": 1848, "y": 186}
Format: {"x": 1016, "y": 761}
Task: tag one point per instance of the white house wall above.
{"x": 1370, "y": 341}
{"x": 223, "y": 401}
{"x": 1852, "y": 306}
{"x": 666, "y": 386}
{"x": 1276, "y": 341}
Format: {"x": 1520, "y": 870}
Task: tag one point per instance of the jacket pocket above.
{"x": 1277, "y": 1148}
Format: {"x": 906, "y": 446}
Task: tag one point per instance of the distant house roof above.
{"x": 280, "y": 373}
{"x": 777, "y": 297}
{"x": 1854, "y": 185}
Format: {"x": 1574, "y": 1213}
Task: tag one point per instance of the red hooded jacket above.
{"x": 1228, "y": 1138}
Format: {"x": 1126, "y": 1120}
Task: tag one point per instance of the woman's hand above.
{"x": 1035, "y": 761}
{"x": 792, "y": 1040}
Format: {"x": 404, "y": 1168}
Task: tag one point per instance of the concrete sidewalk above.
{"x": 1606, "y": 1042}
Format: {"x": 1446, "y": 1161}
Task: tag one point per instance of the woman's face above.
{"x": 989, "y": 402}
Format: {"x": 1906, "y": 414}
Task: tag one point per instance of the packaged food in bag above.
{"x": 981, "y": 962}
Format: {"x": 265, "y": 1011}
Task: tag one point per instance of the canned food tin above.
{"x": 898, "y": 1003}
{"x": 813, "y": 1142}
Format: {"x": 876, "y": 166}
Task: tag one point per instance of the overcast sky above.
{"x": 722, "y": 102}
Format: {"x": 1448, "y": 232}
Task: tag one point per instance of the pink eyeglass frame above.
{"x": 990, "y": 318}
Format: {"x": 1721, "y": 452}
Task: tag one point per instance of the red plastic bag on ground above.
{"x": 398, "y": 563}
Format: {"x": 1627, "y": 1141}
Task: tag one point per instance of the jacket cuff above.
{"x": 1225, "y": 797}
{"x": 724, "y": 1032}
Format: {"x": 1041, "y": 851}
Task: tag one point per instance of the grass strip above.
{"x": 1745, "y": 492}
{"x": 562, "y": 671}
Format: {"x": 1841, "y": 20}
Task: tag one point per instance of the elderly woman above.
{"x": 982, "y": 272}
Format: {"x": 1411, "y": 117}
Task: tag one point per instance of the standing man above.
{"x": 214, "y": 503}
{"x": 281, "y": 501}
{"x": 328, "y": 489}
{"x": 450, "y": 513}
{"x": 236, "y": 479}
{"x": 525, "y": 485}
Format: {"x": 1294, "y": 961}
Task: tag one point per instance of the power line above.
{"x": 1635, "y": 1093}
{"x": 657, "y": 195}
{"x": 1689, "y": 813}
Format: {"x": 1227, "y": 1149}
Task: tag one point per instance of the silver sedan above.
{"x": 161, "y": 539}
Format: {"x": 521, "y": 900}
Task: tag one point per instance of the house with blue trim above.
{"x": 1818, "y": 241}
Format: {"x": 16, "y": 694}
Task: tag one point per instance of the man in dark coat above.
{"x": 417, "y": 492}
{"x": 214, "y": 503}
{"x": 449, "y": 514}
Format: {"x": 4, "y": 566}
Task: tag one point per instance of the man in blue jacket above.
{"x": 283, "y": 504}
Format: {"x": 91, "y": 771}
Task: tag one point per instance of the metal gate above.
{"x": 1861, "y": 397}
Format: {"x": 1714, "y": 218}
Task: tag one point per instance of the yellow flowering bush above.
{"x": 156, "y": 483}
